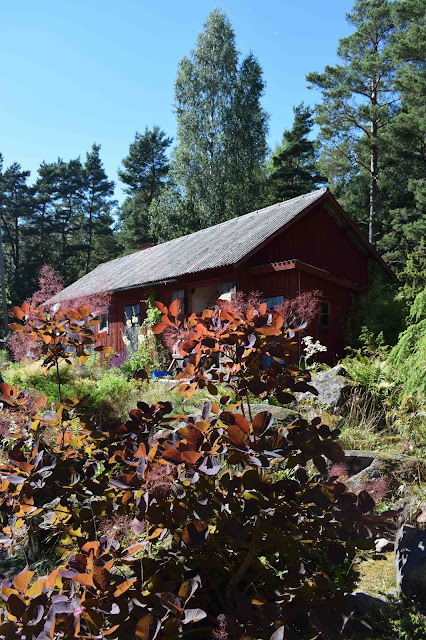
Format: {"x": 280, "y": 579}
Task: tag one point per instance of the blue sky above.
{"x": 76, "y": 72}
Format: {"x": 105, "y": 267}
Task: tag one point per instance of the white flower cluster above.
{"x": 311, "y": 347}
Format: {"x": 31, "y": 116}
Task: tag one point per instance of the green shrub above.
{"x": 368, "y": 365}
{"x": 413, "y": 278}
{"x": 378, "y": 310}
{"x": 398, "y": 622}
{"x": 249, "y": 553}
{"x": 408, "y": 357}
{"x": 4, "y": 358}
{"x": 144, "y": 349}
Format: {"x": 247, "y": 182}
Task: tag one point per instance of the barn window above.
{"x": 274, "y": 301}
{"x": 104, "y": 321}
{"x": 324, "y": 322}
{"x": 179, "y": 294}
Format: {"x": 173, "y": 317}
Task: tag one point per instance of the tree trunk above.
{"x": 3, "y": 288}
{"x": 373, "y": 186}
{"x": 90, "y": 240}
{"x": 373, "y": 163}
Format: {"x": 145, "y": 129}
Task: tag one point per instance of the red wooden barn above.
{"x": 291, "y": 247}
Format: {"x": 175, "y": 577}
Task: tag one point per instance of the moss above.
{"x": 377, "y": 574}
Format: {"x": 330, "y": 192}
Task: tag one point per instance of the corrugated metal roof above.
{"x": 224, "y": 244}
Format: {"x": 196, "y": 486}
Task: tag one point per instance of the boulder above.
{"x": 363, "y": 602}
{"x": 410, "y": 562}
{"x": 282, "y": 415}
{"x": 365, "y": 606}
{"x": 333, "y": 386}
{"x": 366, "y": 468}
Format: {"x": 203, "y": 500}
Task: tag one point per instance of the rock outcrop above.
{"x": 333, "y": 386}
{"x": 410, "y": 562}
{"x": 367, "y": 467}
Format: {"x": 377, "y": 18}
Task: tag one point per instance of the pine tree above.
{"x": 97, "y": 207}
{"x": 294, "y": 170}
{"x": 58, "y": 221}
{"x": 145, "y": 170}
{"x": 146, "y": 166}
{"x": 69, "y": 218}
{"x": 359, "y": 102}
{"x": 16, "y": 205}
{"x": 403, "y": 187}
{"x": 41, "y": 240}
{"x": 221, "y": 128}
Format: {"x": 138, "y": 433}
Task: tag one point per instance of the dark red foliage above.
{"x": 305, "y": 307}
{"x": 98, "y": 302}
{"x": 338, "y": 471}
{"x": 5, "y": 423}
{"x": 241, "y": 302}
{"x": 159, "y": 480}
{"x": 220, "y": 633}
{"x": 50, "y": 283}
{"x": 21, "y": 345}
{"x": 378, "y": 488}
{"x": 234, "y": 522}
{"x": 23, "y": 349}
{"x": 172, "y": 336}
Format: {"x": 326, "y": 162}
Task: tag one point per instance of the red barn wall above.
{"x": 317, "y": 239}
{"x": 290, "y": 283}
{"x": 339, "y": 299}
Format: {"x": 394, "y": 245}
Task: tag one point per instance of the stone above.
{"x": 368, "y": 467}
{"x": 366, "y": 605}
{"x": 333, "y": 386}
{"x": 383, "y": 545}
{"x": 364, "y": 602}
{"x": 282, "y": 415}
{"x": 356, "y": 460}
{"x": 410, "y": 562}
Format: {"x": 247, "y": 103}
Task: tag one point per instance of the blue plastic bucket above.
{"x": 161, "y": 374}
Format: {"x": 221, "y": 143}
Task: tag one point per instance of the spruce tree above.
{"x": 294, "y": 171}
{"x": 97, "y": 208}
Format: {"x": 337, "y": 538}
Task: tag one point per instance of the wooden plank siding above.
{"x": 313, "y": 252}
{"x": 318, "y": 240}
